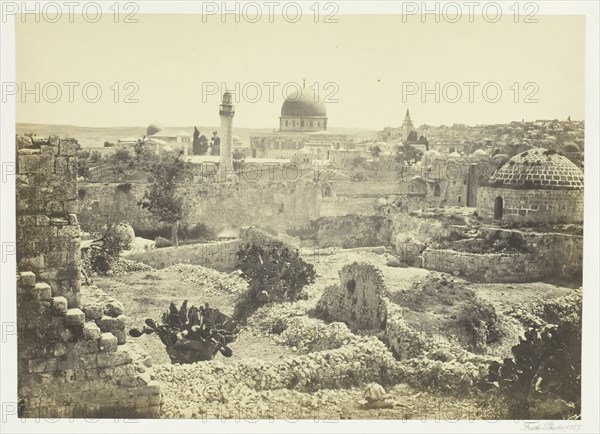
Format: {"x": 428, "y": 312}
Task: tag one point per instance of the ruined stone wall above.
{"x": 358, "y": 299}
{"x": 69, "y": 364}
{"x": 347, "y": 231}
{"x": 219, "y": 206}
{"x": 535, "y": 205}
{"x": 364, "y": 306}
{"x": 486, "y": 267}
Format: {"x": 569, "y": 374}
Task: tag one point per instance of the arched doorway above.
{"x": 498, "y": 208}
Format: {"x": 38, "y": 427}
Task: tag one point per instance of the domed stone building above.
{"x": 303, "y": 111}
{"x": 302, "y": 125}
{"x": 534, "y": 186}
{"x": 153, "y": 128}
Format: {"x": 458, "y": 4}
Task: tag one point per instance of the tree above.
{"x": 375, "y": 151}
{"x": 408, "y": 155}
{"x": 82, "y": 162}
{"x": 215, "y": 144}
{"x": 161, "y": 197}
{"x": 200, "y": 144}
{"x": 238, "y": 159}
{"x": 121, "y": 160}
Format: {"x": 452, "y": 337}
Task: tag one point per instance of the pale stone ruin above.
{"x": 70, "y": 363}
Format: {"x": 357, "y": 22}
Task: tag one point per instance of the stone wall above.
{"x": 361, "y": 302}
{"x": 220, "y": 206}
{"x": 219, "y": 255}
{"x": 69, "y": 364}
{"x": 358, "y": 299}
{"x": 486, "y": 267}
{"x": 347, "y": 231}
{"x": 535, "y": 205}
{"x": 546, "y": 255}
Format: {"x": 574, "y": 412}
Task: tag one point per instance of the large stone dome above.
{"x": 153, "y": 128}
{"x": 539, "y": 168}
{"x": 305, "y": 103}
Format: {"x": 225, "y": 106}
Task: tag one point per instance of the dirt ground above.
{"x": 146, "y": 294}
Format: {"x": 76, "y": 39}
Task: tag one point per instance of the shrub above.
{"x": 544, "y": 374}
{"x": 198, "y": 232}
{"x": 479, "y": 320}
{"x": 275, "y": 273}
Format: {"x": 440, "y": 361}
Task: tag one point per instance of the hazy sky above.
{"x": 169, "y": 57}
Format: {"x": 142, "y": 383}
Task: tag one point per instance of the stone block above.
{"x": 74, "y": 317}
{"x": 117, "y": 358}
{"x": 47, "y": 150}
{"x": 107, "y": 343}
{"x": 27, "y": 279}
{"x": 53, "y": 140}
{"x": 42, "y": 220}
{"x": 88, "y": 361}
{"x": 151, "y": 388}
{"x": 121, "y": 336}
{"x": 42, "y": 291}
{"x": 43, "y": 364}
{"x": 121, "y": 322}
{"x": 60, "y": 349}
{"x": 70, "y": 206}
{"x": 60, "y": 305}
{"x": 114, "y": 309}
{"x": 39, "y": 163}
{"x": 108, "y": 324}
{"x": 68, "y": 148}
{"x": 67, "y": 362}
{"x": 59, "y": 221}
{"x": 91, "y": 331}
{"x": 92, "y": 313}
{"x": 71, "y": 231}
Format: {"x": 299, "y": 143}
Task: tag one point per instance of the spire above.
{"x": 304, "y": 83}
{"x": 407, "y": 117}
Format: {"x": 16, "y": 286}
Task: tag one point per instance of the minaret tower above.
{"x": 407, "y": 127}
{"x": 226, "y": 112}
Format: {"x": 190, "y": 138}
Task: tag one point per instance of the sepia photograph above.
{"x": 289, "y": 216}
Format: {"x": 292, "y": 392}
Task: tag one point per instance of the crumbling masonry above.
{"x": 69, "y": 361}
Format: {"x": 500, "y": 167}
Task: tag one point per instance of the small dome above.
{"x": 303, "y": 103}
{"x": 539, "y": 167}
{"x": 454, "y": 155}
{"x": 480, "y": 153}
{"x": 153, "y": 128}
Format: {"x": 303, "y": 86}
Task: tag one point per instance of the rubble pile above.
{"x": 364, "y": 360}
{"x": 121, "y": 266}
{"x": 207, "y": 277}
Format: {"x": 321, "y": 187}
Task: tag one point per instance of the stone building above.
{"x": 303, "y": 122}
{"x": 534, "y": 186}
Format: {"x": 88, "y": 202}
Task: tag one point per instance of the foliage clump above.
{"x": 275, "y": 273}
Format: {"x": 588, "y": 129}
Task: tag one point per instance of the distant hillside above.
{"x": 92, "y": 137}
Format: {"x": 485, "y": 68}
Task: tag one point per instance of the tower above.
{"x": 226, "y": 112}
{"x": 407, "y": 127}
